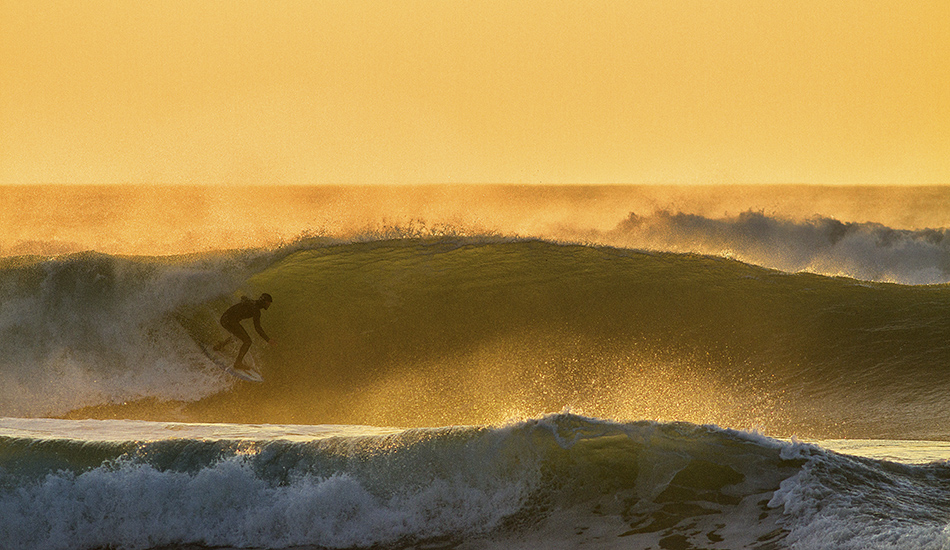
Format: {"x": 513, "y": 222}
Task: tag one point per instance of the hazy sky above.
{"x": 350, "y": 91}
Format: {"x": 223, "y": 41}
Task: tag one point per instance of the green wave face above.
{"x": 461, "y": 331}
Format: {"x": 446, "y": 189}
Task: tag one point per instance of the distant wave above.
{"x": 867, "y": 251}
{"x": 821, "y": 244}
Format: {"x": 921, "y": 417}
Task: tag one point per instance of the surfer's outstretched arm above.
{"x": 259, "y": 329}
{"x": 263, "y": 302}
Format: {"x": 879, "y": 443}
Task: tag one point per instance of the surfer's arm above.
{"x": 257, "y": 327}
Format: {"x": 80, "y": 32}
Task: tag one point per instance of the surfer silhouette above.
{"x": 231, "y": 320}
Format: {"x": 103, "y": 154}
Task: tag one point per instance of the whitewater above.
{"x": 477, "y": 367}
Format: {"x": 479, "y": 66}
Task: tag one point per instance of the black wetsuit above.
{"x": 245, "y": 309}
{"x": 231, "y": 320}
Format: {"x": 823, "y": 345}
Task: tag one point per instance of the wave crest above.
{"x": 867, "y": 251}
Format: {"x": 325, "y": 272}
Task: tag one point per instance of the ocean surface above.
{"x": 477, "y": 367}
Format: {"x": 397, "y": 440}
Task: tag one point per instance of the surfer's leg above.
{"x": 246, "y": 345}
{"x": 231, "y": 326}
{"x": 239, "y": 362}
{"x": 223, "y": 343}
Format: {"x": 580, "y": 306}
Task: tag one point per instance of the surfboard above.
{"x": 221, "y": 362}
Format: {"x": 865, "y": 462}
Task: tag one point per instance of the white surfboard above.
{"x": 251, "y": 375}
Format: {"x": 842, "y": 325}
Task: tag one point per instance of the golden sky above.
{"x": 353, "y": 91}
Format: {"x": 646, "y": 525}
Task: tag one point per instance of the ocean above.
{"x": 485, "y": 366}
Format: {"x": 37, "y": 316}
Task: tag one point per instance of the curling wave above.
{"x": 458, "y": 330}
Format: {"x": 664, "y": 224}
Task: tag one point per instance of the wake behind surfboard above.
{"x": 215, "y": 357}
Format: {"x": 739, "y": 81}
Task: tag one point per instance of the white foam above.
{"x": 830, "y": 505}
{"x": 867, "y": 251}
{"x": 356, "y": 486}
{"x": 136, "y": 506}
{"x": 97, "y": 330}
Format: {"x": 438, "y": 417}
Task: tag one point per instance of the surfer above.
{"x": 231, "y": 320}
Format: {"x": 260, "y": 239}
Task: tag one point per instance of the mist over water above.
{"x": 893, "y": 234}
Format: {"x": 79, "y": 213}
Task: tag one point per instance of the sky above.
{"x": 475, "y": 91}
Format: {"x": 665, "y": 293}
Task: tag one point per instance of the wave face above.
{"x": 561, "y": 481}
{"x": 423, "y": 331}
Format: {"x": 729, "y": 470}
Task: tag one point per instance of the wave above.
{"x": 867, "y": 251}
{"x": 457, "y": 330}
{"x": 875, "y": 233}
{"x": 823, "y": 245}
{"x": 558, "y": 481}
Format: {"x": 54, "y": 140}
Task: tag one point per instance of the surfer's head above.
{"x": 265, "y": 300}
